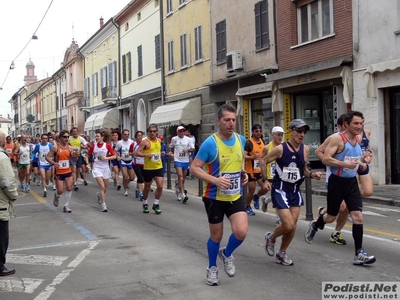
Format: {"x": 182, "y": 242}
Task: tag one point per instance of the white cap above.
{"x": 180, "y": 128}
{"x": 18, "y": 135}
{"x": 278, "y": 129}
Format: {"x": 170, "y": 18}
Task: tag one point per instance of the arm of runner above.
{"x": 319, "y": 152}
{"x": 142, "y": 146}
{"x": 50, "y": 155}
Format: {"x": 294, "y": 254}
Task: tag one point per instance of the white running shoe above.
{"x": 66, "y": 209}
{"x": 126, "y": 193}
{"x": 212, "y": 276}
{"x": 229, "y": 267}
{"x": 103, "y": 207}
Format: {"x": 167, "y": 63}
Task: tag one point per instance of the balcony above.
{"x": 84, "y": 103}
{"x": 109, "y": 94}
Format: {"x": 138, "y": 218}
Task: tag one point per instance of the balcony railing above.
{"x": 83, "y": 102}
{"x": 109, "y": 93}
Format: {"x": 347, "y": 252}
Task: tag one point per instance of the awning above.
{"x": 374, "y": 68}
{"x": 104, "y": 119}
{"x": 181, "y": 112}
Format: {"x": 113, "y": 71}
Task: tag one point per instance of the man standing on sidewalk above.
{"x": 222, "y": 155}
{"x": 8, "y": 194}
{"x": 343, "y": 154}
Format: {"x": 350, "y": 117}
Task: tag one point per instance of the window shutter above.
{"x": 257, "y": 11}
{"x": 157, "y": 51}
{"x": 140, "y": 61}
{"x": 123, "y": 68}
{"x": 264, "y": 24}
{"x": 129, "y": 63}
{"x": 200, "y": 45}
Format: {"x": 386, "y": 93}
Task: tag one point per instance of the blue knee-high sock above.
{"x": 212, "y": 248}
{"x": 233, "y": 243}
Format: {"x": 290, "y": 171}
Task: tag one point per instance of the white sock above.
{"x": 156, "y": 201}
{"x": 68, "y": 197}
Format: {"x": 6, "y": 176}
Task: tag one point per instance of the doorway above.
{"x": 395, "y": 135}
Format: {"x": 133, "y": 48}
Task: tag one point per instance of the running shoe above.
{"x": 118, "y": 187}
{"x": 363, "y": 258}
{"x": 146, "y": 208}
{"x": 179, "y": 197}
{"x": 137, "y": 193}
{"x": 185, "y": 198}
{"x": 27, "y": 188}
{"x": 336, "y": 238}
{"x": 256, "y": 202}
{"x": 84, "y": 182}
{"x": 309, "y": 235}
{"x": 282, "y": 258}
{"x": 34, "y": 179}
{"x": 22, "y": 187}
{"x": 250, "y": 211}
{"x": 157, "y": 209}
{"x": 321, "y": 212}
{"x": 66, "y": 209}
{"x": 212, "y": 276}
{"x": 104, "y": 207}
{"x": 264, "y": 203}
{"x": 126, "y": 193}
{"x": 115, "y": 183}
{"x": 56, "y": 199}
{"x": 141, "y": 196}
{"x": 98, "y": 198}
{"x": 39, "y": 183}
{"x": 75, "y": 187}
{"x": 269, "y": 244}
{"x": 54, "y": 187}
{"x": 44, "y": 193}
{"x": 229, "y": 267}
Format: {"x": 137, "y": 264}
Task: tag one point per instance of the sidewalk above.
{"x": 383, "y": 194}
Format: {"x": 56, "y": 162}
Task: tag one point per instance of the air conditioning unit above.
{"x": 234, "y": 61}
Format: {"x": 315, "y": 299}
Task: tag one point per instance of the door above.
{"x": 395, "y": 135}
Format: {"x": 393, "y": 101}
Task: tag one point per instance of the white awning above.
{"x": 374, "y": 68}
{"x": 104, "y": 119}
{"x": 181, "y": 112}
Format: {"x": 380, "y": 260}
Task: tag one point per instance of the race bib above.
{"x": 42, "y": 155}
{"x": 290, "y": 174}
{"x": 234, "y": 188}
{"x": 352, "y": 158}
{"x": 156, "y": 157}
{"x": 272, "y": 169}
{"x": 63, "y": 164}
{"x": 256, "y": 165}
{"x": 182, "y": 154}
{"x": 25, "y": 155}
{"x": 8, "y": 151}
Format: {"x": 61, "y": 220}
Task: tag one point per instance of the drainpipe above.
{"x": 119, "y": 98}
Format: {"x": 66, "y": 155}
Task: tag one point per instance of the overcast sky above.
{"x": 65, "y": 20}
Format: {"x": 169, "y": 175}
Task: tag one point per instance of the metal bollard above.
{"x": 309, "y": 210}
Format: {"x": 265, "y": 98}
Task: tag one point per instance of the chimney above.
{"x": 101, "y": 22}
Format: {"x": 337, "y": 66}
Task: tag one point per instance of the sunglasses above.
{"x": 65, "y": 136}
{"x": 299, "y": 130}
{"x": 152, "y": 131}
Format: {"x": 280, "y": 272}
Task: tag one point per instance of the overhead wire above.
{"x": 30, "y": 39}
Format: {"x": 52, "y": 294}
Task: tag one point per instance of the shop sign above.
{"x": 307, "y": 78}
{"x": 287, "y": 118}
{"x": 246, "y": 117}
{"x": 335, "y": 109}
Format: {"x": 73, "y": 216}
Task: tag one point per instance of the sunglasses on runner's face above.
{"x": 299, "y": 130}
{"x": 65, "y": 136}
{"x": 152, "y": 131}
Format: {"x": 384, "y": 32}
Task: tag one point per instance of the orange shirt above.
{"x": 10, "y": 149}
{"x": 63, "y": 155}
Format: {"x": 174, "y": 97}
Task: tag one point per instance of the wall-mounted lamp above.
{"x": 34, "y": 37}
{"x": 12, "y": 66}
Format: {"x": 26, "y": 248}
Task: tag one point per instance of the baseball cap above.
{"x": 180, "y": 128}
{"x": 255, "y": 127}
{"x": 18, "y": 135}
{"x": 278, "y": 129}
{"x": 298, "y": 123}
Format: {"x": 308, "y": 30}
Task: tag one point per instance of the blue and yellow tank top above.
{"x": 349, "y": 153}
{"x": 227, "y": 162}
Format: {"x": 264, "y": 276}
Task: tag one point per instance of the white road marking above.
{"x": 371, "y": 213}
{"x": 39, "y": 260}
{"x": 46, "y": 293}
{"x": 41, "y": 246}
{"x": 22, "y": 285}
{"x": 384, "y": 208}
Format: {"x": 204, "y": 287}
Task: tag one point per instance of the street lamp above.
{"x": 12, "y": 66}
{"x": 34, "y": 37}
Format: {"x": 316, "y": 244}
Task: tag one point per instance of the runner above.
{"x": 41, "y": 150}
{"x": 222, "y": 156}
{"x": 102, "y": 153}
{"x": 23, "y": 151}
{"x": 138, "y": 163}
{"x": 125, "y": 160}
{"x": 344, "y": 155}
{"x": 77, "y": 143}
{"x": 290, "y": 170}
{"x": 150, "y": 149}
{"x": 116, "y": 135}
{"x": 9, "y": 148}
{"x": 59, "y": 156}
{"x": 182, "y": 146}
{"x": 35, "y": 163}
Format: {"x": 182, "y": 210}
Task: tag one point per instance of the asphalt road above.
{"x": 125, "y": 254}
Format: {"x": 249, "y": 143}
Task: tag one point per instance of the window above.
{"x": 95, "y": 53}
{"x": 129, "y": 65}
{"x": 315, "y": 20}
{"x": 155, "y": 3}
{"x": 157, "y": 51}
{"x": 126, "y": 26}
{"x": 140, "y": 61}
{"x": 262, "y": 34}
{"x": 112, "y": 74}
{"x": 220, "y": 31}
{"x": 184, "y": 61}
{"x": 169, "y": 6}
{"x": 123, "y": 68}
{"x": 103, "y": 77}
{"x": 113, "y": 39}
{"x": 86, "y": 88}
{"x": 94, "y": 84}
{"x": 139, "y": 16}
{"x": 170, "y": 56}
{"x": 104, "y": 47}
{"x": 181, "y": 2}
{"x": 197, "y": 43}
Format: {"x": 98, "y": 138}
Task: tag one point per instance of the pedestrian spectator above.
{"x": 222, "y": 156}
{"x": 8, "y": 194}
